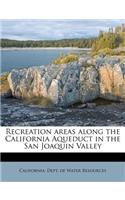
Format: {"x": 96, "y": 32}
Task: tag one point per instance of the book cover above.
{"x": 62, "y": 89}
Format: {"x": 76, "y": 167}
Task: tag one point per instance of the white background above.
{"x": 105, "y": 146}
{"x": 62, "y": 9}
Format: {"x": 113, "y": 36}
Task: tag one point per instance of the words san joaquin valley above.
{"x": 62, "y": 139}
